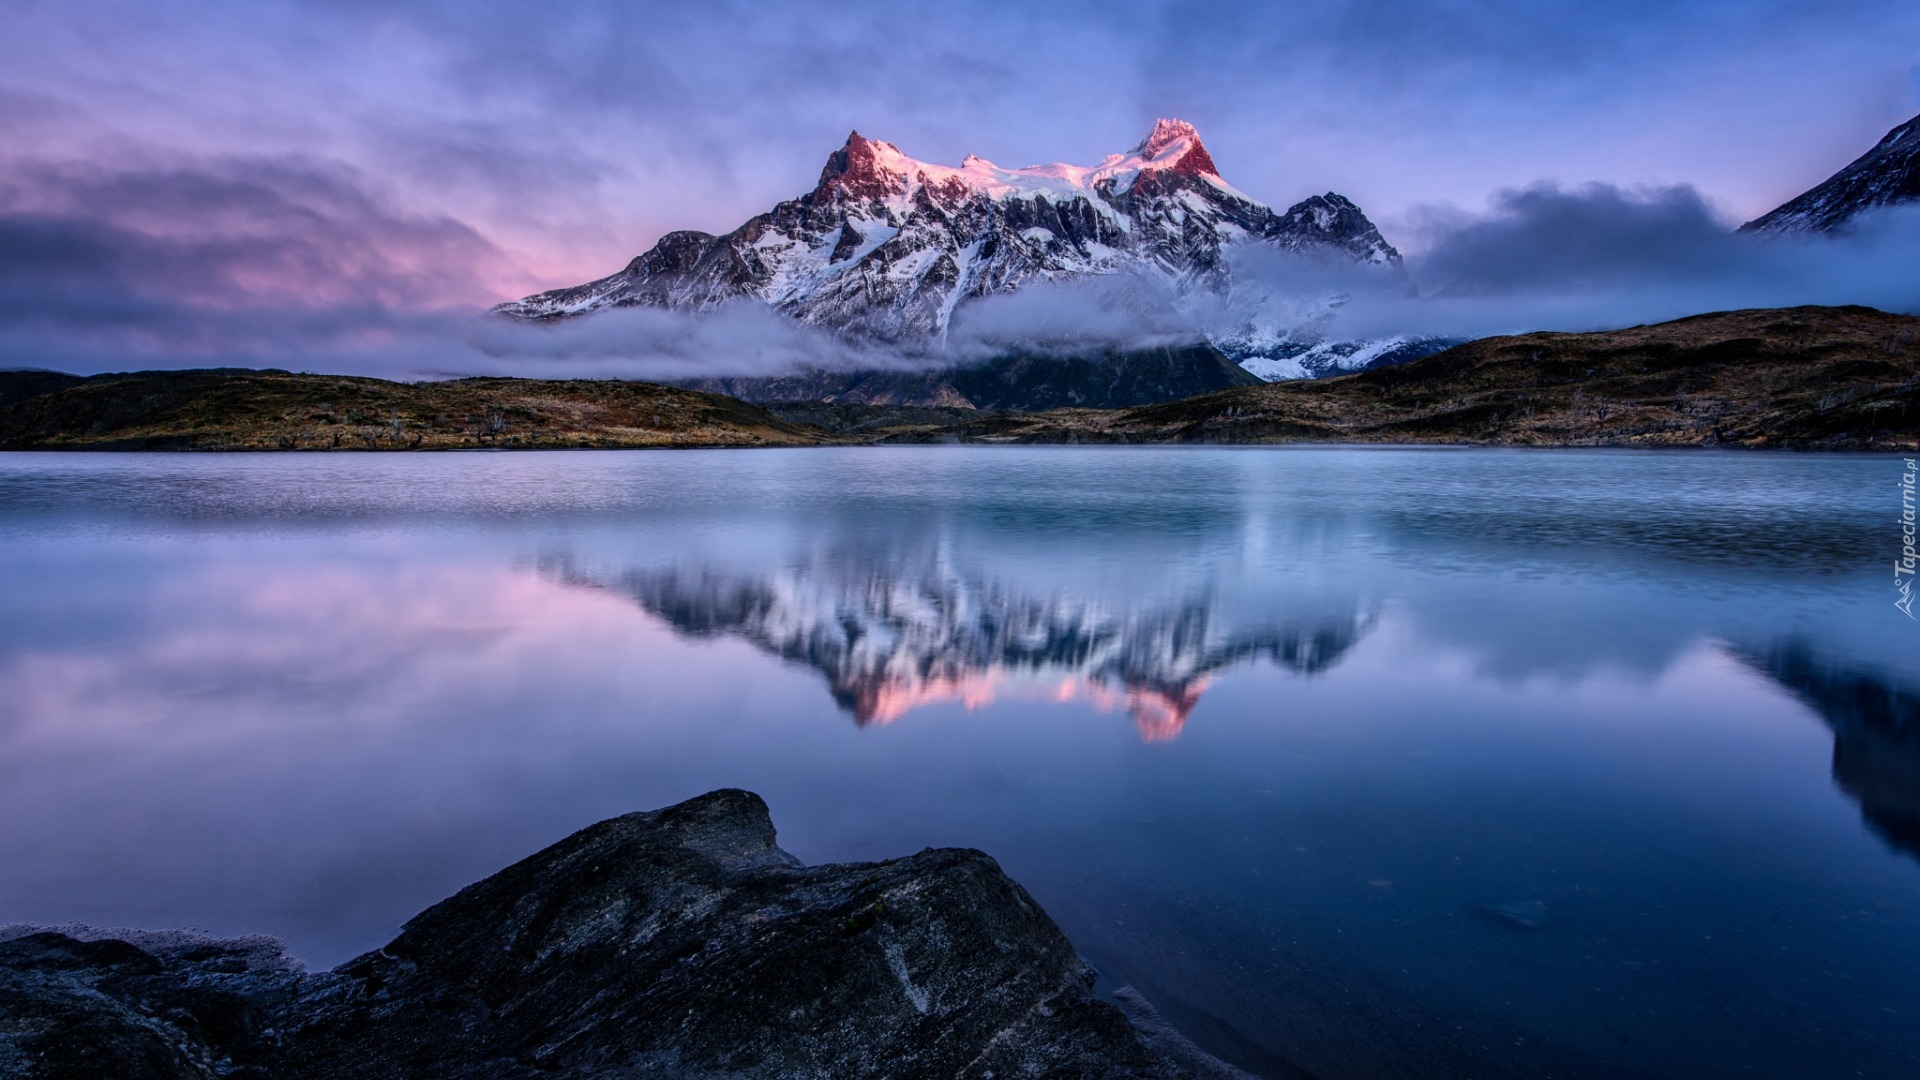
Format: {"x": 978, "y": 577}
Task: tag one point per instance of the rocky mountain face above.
{"x": 888, "y": 248}
{"x": 1887, "y": 175}
{"x": 680, "y": 942}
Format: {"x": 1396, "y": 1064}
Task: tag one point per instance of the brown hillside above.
{"x": 276, "y": 410}
{"x": 1811, "y": 377}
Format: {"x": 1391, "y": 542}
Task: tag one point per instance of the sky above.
{"x": 298, "y": 184}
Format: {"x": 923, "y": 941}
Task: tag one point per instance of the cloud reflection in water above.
{"x": 310, "y": 696}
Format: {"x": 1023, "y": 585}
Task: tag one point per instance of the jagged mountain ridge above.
{"x": 889, "y": 248}
{"x": 1887, "y": 175}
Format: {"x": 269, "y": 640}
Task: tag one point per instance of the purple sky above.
{"x": 400, "y": 158}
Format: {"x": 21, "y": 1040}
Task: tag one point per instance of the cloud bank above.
{"x": 1601, "y": 257}
{"x": 1544, "y": 257}
{"x": 304, "y": 264}
{"x": 299, "y": 263}
{"x": 343, "y": 186}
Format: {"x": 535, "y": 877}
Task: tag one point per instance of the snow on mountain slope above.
{"x": 888, "y": 248}
{"x": 1887, "y": 175}
{"x": 1313, "y": 359}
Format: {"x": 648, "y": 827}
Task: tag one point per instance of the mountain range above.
{"x": 894, "y": 252}
{"x": 888, "y": 248}
{"x": 891, "y": 247}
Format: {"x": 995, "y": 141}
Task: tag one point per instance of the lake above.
{"x": 1354, "y": 762}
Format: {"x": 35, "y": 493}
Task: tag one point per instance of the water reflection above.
{"x": 896, "y": 630}
{"x": 1876, "y": 733}
{"x": 311, "y": 696}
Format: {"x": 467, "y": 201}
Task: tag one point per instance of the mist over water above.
{"x": 1366, "y": 762}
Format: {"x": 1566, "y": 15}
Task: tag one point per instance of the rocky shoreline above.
{"x": 680, "y": 942}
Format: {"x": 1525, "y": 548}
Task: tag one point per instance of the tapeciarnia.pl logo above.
{"x": 1903, "y": 567}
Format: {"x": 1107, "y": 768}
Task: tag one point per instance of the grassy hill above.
{"x": 226, "y": 409}
{"x": 1810, "y": 377}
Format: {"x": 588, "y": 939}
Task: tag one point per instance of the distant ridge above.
{"x": 1810, "y": 377}
{"x": 1845, "y": 378}
{"x": 1887, "y": 175}
{"x": 240, "y": 409}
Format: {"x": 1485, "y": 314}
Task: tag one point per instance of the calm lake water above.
{"x": 1356, "y": 762}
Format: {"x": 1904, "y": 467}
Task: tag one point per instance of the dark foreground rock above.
{"x": 173, "y": 1005}
{"x": 675, "y": 943}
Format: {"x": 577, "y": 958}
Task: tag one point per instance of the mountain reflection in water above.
{"x": 1508, "y": 765}
{"x": 893, "y": 633}
{"x": 1876, "y": 734}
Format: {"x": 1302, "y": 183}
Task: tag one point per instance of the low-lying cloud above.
{"x": 1080, "y": 317}
{"x": 246, "y": 261}
{"x": 1601, "y": 257}
{"x": 296, "y": 263}
{"x": 300, "y": 264}
{"x": 1541, "y": 258}
{"x": 744, "y": 338}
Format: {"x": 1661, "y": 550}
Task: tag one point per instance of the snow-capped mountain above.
{"x": 889, "y": 248}
{"x": 1887, "y": 175}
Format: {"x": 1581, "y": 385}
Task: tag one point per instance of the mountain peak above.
{"x": 1165, "y": 133}
{"x": 864, "y": 168}
{"x": 1176, "y": 144}
{"x": 1887, "y": 175}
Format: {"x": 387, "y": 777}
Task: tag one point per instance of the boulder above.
{"x": 680, "y": 942}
